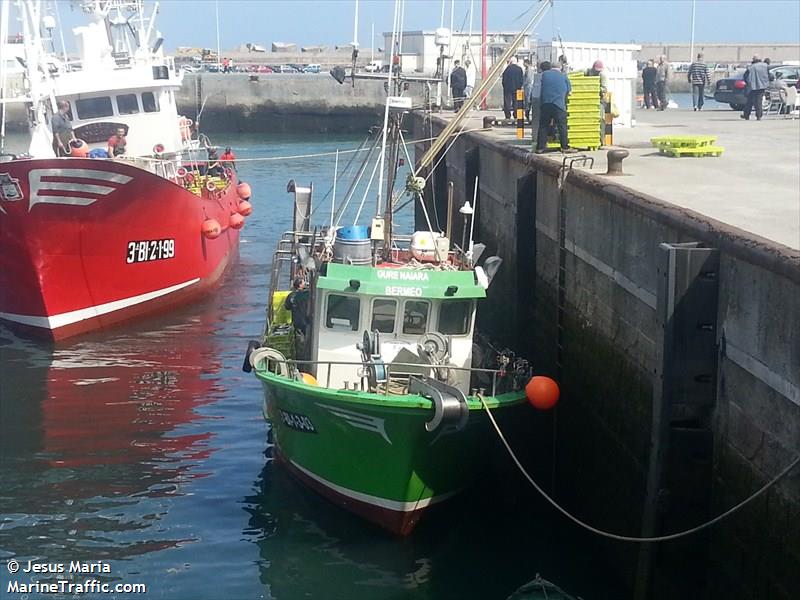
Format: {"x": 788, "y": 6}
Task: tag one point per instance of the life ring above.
{"x": 181, "y": 172}
{"x": 211, "y": 186}
{"x": 267, "y": 355}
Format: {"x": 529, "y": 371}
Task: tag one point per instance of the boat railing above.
{"x": 397, "y": 366}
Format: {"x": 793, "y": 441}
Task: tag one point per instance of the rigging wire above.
{"x": 628, "y": 538}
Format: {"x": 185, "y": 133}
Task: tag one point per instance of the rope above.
{"x": 626, "y": 538}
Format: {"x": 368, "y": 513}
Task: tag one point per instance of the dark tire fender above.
{"x": 251, "y": 346}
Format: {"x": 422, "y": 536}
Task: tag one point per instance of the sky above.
{"x": 330, "y": 22}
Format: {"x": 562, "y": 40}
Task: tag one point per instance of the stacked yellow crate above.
{"x": 583, "y": 112}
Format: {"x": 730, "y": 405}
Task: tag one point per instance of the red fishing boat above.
{"x": 89, "y": 239}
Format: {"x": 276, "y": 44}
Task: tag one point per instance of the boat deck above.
{"x": 754, "y": 185}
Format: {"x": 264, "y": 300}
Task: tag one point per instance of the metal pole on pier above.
{"x": 216, "y": 9}
{"x": 484, "y": 13}
{"x": 691, "y": 45}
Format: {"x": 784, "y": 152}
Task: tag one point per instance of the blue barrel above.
{"x": 356, "y": 232}
{"x": 353, "y": 246}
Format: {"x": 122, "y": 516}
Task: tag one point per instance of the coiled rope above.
{"x": 627, "y": 538}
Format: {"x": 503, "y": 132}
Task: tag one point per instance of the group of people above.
{"x": 545, "y": 92}
{"x": 64, "y": 136}
{"x": 655, "y": 81}
{"x": 462, "y": 82}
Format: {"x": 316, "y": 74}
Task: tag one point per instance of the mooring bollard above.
{"x": 488, "y": 122}
{"x": 615, "y": 158}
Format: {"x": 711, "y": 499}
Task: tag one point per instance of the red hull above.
{"x": 87, "y": 244}
{"x": 397, "y": 522}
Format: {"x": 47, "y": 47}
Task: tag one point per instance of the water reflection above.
{"x": 94, "y": 438}
{"x": 312, "y": 549}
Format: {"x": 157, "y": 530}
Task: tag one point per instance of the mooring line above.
{"x": 626, "y": 538}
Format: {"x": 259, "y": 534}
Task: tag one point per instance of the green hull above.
{"x": 371, "y": 453}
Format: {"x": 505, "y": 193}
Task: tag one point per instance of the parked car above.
{"x": 732, "y": 90}
{"x": 312, "y": 68}
{"x": 191, "y": 68}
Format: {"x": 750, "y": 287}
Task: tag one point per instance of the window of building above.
{"x": 415, "y": 317}
{"x": 94, "y": 108}
{"x": 127, "y": 104}
{"x": 383, "y": 313}
{"x": 149, "y": 102}
{"x": 342, "y": 313}
{"x": 455, "y": 317}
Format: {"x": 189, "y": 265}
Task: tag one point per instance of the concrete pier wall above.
{"x": 577, "y": 292}
{"x": 286, "y": 102}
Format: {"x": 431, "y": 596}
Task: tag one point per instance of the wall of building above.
{"x": 577, "y": 292}
{"x": 720, "y": 53}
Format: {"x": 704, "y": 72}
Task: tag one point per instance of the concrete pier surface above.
{"x": 754, "y": 185}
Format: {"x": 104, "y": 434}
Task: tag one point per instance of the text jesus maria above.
{"x": 74, "y": 566}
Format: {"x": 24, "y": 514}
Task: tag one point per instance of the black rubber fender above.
{"x": 251, "y": 345}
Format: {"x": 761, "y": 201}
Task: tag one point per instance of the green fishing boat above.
{"x": 375, "y": 383}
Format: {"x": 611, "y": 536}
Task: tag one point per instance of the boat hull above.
{"x": 87, "y": 244}
{"x": 371, "y": 454}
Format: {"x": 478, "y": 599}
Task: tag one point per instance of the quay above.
{"x": 666, "y": 302}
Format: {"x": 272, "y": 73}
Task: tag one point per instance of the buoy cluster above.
{"x": 211, "y": 228}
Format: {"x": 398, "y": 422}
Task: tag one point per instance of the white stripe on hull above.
{"x": 375, "y": 500}
{"x": 67, "y": 318}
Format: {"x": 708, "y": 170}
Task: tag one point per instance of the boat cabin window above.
{"x": 127, "y": 104}
{"x": 342, "y": 313}
{"x": 149, "y": 102}
{"x": 383, "y": 313}
{"x": 94, "y": 108}
{"x": 455, "y": 317}
{"x": 415, "y": 317}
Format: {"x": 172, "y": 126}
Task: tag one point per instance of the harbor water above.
{"x": 145, "y": 448}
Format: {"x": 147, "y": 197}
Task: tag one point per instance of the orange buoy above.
{"x": 211, "y": 228}
{"x": 542, "y": 392}
{"x": 245, "y": 208}
{"x": 237, "y": 221}
{"x": 243, "y": 190}
{"x": 78, "y": 149}
{"x": 308, "y": 379}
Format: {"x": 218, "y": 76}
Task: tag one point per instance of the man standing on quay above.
{"x": 458, "y": 83}
{"x": 662, "y": 82}
{"x": 757, "y": 79}
{"x": 555, "y": 89}
{"x": 512, "y": 81}
{"x": 699, "y": 79}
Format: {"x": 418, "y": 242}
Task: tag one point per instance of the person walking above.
{"x": 649, "y": 85}
{"x": 662, "y": 82}
{"x": 458, "y": 83}
{"x": 698, "y": 78}
{"x": 555, "y": 89}
{"x": 527, "y": 86}
{"x": 757, "y": 79}
{"x": 512, "y": 81}
{"x": 471, "y": 74}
